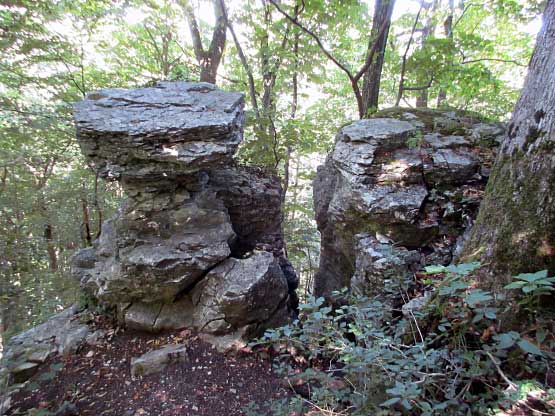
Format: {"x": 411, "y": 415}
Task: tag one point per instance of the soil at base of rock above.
{"x": 98, "y": 381}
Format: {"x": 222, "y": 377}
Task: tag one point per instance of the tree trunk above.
{"x": 209, "y": 60}
{"x": 448, "y": 30}
{"x": 371, "y": 81}
{"x": 294, "y": 104}
{"x": 427, "y": 31}
{"x": 515, "y": 228}
{"x": 86, "y": 231}
{"x": 50, "y": 248}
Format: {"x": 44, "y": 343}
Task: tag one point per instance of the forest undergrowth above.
{"x": 465, "y": 350}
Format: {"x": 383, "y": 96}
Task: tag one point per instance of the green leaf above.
{"x": 390, "y": 402}
{"x": 477, "y": 296}
{"x": 514, "y": 285}
{"x": 434, "y": 269}
{"x": 528, "y": 347}
{"x": 529, "y": 288}
{"x": 455, "y": 286}
{"x": 531, "y": 277}
{"x": 491, "y": 313}
{"x": 464, "y": 268}
{"x": 47, "y": 376}
{"x": 478, "y": 318}
{"x": 32, "y": 386}
{"x": 57, "y": 366}
{"x": 506, "y": 340}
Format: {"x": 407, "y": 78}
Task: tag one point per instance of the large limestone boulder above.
{"x": 253, "y": 200}
{"x": 396, "y": 193}
{"x": 191, "y": 218}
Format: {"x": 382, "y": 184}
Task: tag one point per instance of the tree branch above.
{"x": 421, "y": 87}
{"x": 243, "y": 59}
{"x": 404, "y": 63}
{"x": 316, "y": 39}
{"x": 195, "y": 32}
{"x": 509, "y": 61}
{"x": 372, "y": 51}
{"x": 353, "y": 78}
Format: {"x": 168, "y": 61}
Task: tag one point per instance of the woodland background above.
{"x": 442, "y": 53}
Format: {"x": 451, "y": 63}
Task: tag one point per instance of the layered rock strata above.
{"x": 198, "y": 241}
{"x": 397, "y": 193}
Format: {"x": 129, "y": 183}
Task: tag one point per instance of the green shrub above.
{"x": 448, "y": 358}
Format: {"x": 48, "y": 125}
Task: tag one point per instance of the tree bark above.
{"x": 372, "y": 77}
{"x": 515, "y": 228}
{"x": 209, "y": 60}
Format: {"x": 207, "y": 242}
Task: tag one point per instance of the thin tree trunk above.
{"x": 372, "y": 77}
{"x": 245, "y": 63}
{"x": 294, "y": 104}
{"x": 427, "y": 31}
{"x": 4, "y": 179}
{"x": 354, "y": 78}
{"x": 208, "y": 60}
{"x": 50, "y": 248}
{"x": 87, "y": 239}
{"x": 448, "y": 30}
{"x": 295, "y": 186}
{"x": 402, "y": 87}
{"x": 515, "y": 228}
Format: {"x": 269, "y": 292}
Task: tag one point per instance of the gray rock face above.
{"x": 173, "y": 129}
{"x": 397, "y": 193}
{"x": 377, "y": 263}
{"x": 240, "y": 293}
{"x": 190, "y": 213}
{"x": 154, "y": 249}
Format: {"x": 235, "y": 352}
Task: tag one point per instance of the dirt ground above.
{"x": 97, "y": 380}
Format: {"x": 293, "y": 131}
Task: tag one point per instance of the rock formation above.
{"x": 398, "y": 192}
{"x": 198, "y": 242}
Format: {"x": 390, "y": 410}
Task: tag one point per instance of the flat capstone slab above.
{"x": 173, "y": 127}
